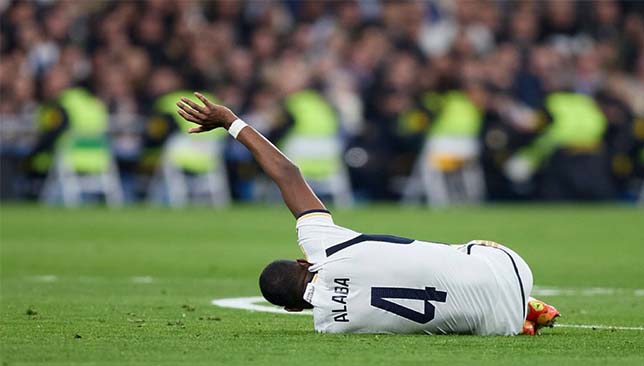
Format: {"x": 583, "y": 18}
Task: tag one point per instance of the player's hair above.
{"x": 280, "y": 284}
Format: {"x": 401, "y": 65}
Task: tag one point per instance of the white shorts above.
{"x": 513, "y": 286}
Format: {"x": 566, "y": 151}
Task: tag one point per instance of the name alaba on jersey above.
{"x": 388, "y": 284}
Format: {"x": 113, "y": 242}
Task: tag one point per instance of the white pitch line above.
{"x": 588, "y": 326}
{"x": 142, "y": 279}
{"x": 45, "y": 278}
{"x": 251, "y": 304}
{"x": 584, "y": 291}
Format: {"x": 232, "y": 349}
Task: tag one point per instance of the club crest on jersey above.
{"x": 341, "y": 291}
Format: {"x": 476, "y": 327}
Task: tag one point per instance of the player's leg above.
{"x": 538, "y": 313}
{"x": 512, "y": 286}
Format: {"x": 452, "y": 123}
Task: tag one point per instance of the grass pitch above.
{"x": 134, "y": 286}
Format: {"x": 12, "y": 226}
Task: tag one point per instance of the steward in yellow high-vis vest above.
{"x": 452, "y": 113}
{"x": 571, "y": 150}
{"x": 451, "y": 116}
{"x": 75, "y": 124}
{"x": 311, "y": 122}
{"x": 456, "y": 115}
{"x": 163, "y": 123}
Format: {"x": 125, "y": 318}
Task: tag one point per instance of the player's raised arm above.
{"x": 297, "y": 194}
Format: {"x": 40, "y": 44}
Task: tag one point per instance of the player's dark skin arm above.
{"x": 297, "y": 194}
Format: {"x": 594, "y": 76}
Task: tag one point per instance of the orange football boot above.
{"x": 541, "y": 314}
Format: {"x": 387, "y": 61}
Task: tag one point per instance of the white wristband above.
{"x": 236, "y": 127}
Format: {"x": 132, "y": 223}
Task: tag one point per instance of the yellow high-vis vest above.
{"x": 457, "y": 116}
{"x": 577, "y": 123}
{"x": 84, "y": 146}
{"x": 315, "y": 121}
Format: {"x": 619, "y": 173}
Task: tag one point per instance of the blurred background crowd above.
{"x": 448, "y": 101}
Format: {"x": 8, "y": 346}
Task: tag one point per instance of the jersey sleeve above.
{"x": 316, "y": 232}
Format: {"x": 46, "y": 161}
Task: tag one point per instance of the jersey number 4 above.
{"x": 379, "y": 294}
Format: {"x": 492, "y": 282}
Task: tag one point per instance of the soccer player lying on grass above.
{"x": 380, "y": 283}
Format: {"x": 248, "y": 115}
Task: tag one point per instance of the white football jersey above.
{"x": 387, "y": 284}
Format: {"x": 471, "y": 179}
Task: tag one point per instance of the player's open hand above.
{"x": 208, "y": 117}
